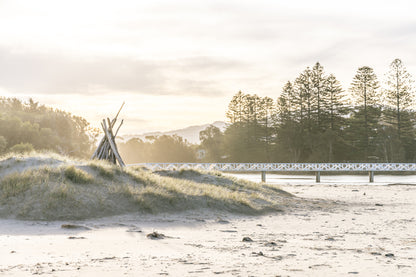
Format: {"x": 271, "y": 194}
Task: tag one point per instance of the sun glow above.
{"x": 180, "y": 62}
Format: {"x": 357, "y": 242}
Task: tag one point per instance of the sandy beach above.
{"x": 365, "y": 230}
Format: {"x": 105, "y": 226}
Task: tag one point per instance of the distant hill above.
{"x": 190, "y": 133}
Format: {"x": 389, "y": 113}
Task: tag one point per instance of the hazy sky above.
{"x": 178, "y": 63}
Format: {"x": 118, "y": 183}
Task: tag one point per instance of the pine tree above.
{"x": 235, "y": 108}
{"x": 364, "y": 88}
{"x": 318, "y": 81}
{"x": 304, "y": 98}
{"x": 335, "y": 111}
{"x": 334, "y": 103}
{"x": 399, "y": 92}
{"x": 288, "y": 124}
{"x": 286, "y": 102}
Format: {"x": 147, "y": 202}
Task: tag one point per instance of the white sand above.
{"x": 350, "y": 240}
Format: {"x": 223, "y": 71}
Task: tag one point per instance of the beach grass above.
{"x": 51, "y": 187}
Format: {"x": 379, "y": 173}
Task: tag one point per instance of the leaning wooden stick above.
{"x": 107, "y": 148}
{"x": 113, "y": 147}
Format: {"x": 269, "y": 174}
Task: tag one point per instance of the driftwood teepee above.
{"x": 107, "y": 148}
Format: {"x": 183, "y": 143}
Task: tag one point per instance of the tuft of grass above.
{"x": 104, "y": 169}
{"x": 61, "y": 192}
{"x": 16, "y": 183}
{"x": 77, "y": 175}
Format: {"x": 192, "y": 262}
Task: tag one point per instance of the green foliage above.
{"x": 313, "y": 121}
{"x": 212, "y": 141}
{"x": 157, "y": 149}
{"x": 22, "y": 148}
{"x": 44, "y": 128}
{"x": 249, "y": 137}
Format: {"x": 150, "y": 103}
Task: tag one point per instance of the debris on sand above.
{"x": 74, "y": 227}
{"x": 256, "y": 254}
{"x": 155, "y": 235}
{"x": 134, "y": 230}
{"x": 271, "y": 243}
{"x": 247, "y": 239}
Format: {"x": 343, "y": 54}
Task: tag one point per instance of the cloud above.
{"x": 50, "y": 74}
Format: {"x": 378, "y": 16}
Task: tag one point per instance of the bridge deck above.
{"x": 276, "y": 167}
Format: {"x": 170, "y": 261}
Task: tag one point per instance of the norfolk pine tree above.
{"x": 364, "y": 88}
{"x": 399, "y": 92}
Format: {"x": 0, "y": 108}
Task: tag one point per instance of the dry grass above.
{"x": 54, "y": 187}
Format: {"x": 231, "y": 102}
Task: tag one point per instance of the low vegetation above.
{"x": 51, "y": 187}
{"x": 29, "y": 126}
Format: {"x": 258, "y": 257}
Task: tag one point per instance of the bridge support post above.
{"x": 371, "y": 176}
{"x": 318, "y": 176}
{"x": 263, "y": 176}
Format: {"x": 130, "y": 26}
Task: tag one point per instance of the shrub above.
{"x": 22, "y": 148}
{"x": 77, "y": 176}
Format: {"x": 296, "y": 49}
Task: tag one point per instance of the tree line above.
{"x": 312, "y": 120}
{"x": 28, "y": 126}
{"x": 315, "y": 120}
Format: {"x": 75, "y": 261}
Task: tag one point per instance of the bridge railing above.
{"x": 285, "y": 167}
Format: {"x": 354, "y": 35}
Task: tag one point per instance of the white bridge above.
{"x": 285, "y": 167}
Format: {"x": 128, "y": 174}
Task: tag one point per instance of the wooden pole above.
{"x": 263, "y": 176}
{"x": 113, "y": 147}
{"x": 371, "y": 176}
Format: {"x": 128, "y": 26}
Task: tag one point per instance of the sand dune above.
{"x": 51, "y": 187}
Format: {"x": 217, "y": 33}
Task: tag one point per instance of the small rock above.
{"x": 353, "y": 272}
{"x": 135, "y": 230}
{"x": 155, "y": 235}
{"x": 222, "y": 221}
{"x": 389, "y": 255}
{"x": 259, "y": 225}
{"x": 12, "y": 252}
{"x": 73, "y": 226}
{"x": 247, "y": 239}
{"x": 379, "y": 205}
{"x": 355, "y": 190}
{"x": 258, "y": 253}
{"x": 330, "y": 239}
{"x": 364, "y": 193}
{"x": 271, "y": 243}
{"x": 228, "y": 231}
{"x": 76, "y": 237}
{"x": 376, "y": 253}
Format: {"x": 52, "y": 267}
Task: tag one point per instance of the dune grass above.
{"x": 56, "y": 188}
